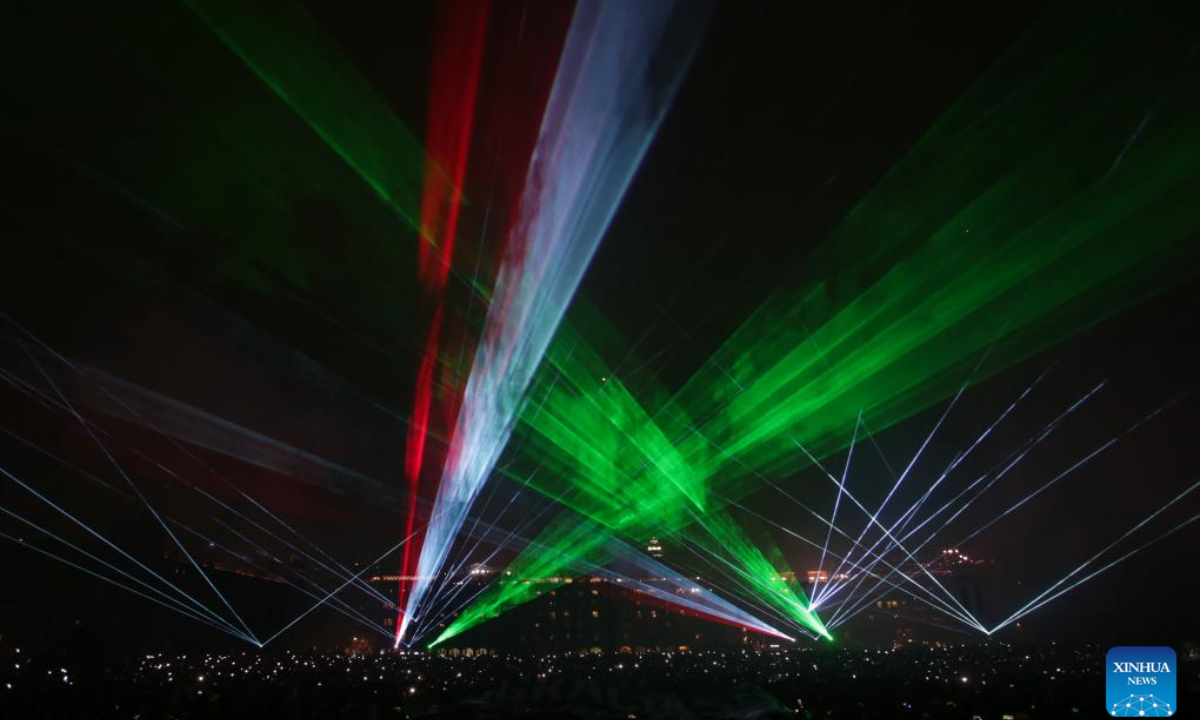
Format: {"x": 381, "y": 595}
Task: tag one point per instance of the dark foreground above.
{"x": 995, "y": 681}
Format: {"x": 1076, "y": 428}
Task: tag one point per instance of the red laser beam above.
{"x": 458, "y": 54}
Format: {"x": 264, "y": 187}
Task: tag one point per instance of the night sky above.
{"x": 211, "y": 284}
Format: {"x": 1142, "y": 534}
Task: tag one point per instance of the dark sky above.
{"x": 308, "y": 332}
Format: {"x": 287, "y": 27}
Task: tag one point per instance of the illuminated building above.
{"x": 587, "y": 613}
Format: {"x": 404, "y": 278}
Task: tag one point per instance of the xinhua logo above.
{"x": 1140, "y": 682}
